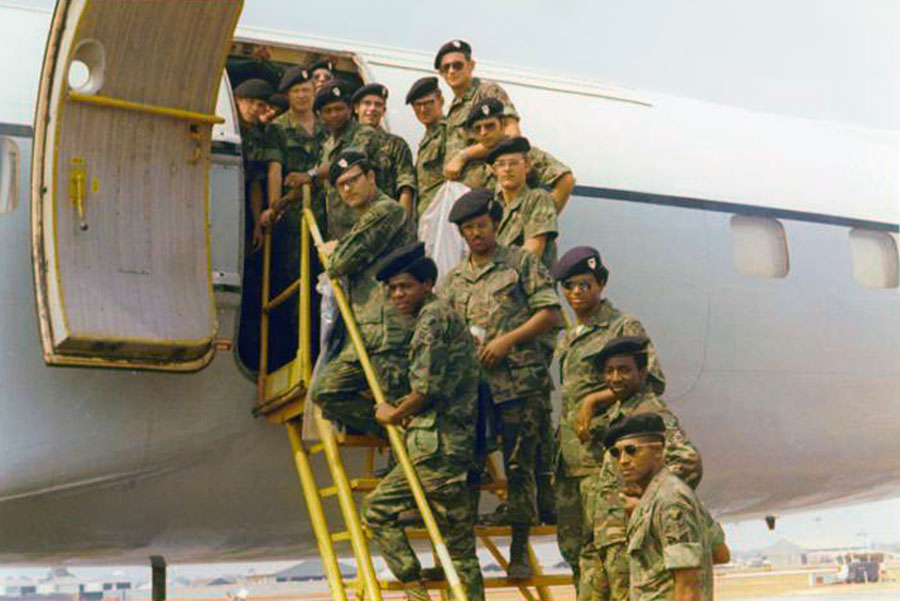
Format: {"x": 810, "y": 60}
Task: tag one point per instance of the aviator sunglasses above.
{"x": 630, "y": 449}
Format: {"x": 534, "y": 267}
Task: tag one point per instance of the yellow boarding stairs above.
{"x": 281, "y": 399}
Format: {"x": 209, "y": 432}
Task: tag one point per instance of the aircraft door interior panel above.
{"x": 122, "y": 169}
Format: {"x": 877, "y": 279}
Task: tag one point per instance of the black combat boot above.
{"x": 519, "y": 567}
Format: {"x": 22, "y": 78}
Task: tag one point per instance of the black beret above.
{"x": 578, "y": 260}
{"x": 422, "y": 87}
{"x": 333, "y": 92}
{"x": 452, "y": 46}
{"x": 322, "y": 64}
{"x": 279, "y": 100}
{"x": 344, "y": 161}
{"x": 258, "y": 89}
{"x": 292, "y": 76}
{"x": 517, "y": 144}
{"x": 623, "y": 345}
{"x": 400, "y": 261}
{"x": 371, "y": 89}
{"x": 475, "y": 202}
{"x": 489, "y": 107}
{"x": 639, "y": 424}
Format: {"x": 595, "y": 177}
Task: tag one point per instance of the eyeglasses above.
{"x": 455, "y": 65}
{"x": 579, "y": 285}
{"x": 630, "y": 449}
{"x": 348, "y": 182}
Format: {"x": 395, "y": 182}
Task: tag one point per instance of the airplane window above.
{"x": 760, "y": 246}
{"x": 9, "y": 175}
{"x": 874, "y": 256}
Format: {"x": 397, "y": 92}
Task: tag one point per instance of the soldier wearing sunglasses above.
{"x": 454, "y": 62}
{"x": 669, "y": 547}
{"x": 624, "y": 363}
{"x": 583, "y": 420}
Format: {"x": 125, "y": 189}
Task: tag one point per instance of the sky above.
{"x": 831, "y": 60}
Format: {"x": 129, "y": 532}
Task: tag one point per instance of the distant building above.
{"x": 308, "y": 570}
{"x": 784, "y": 553}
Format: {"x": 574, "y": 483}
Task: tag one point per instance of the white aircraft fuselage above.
{"x": 785, "y": 380}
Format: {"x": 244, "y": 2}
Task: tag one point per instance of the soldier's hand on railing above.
{"x": 268, "y": 218}
{"x": 328, "y": 247}
{"x": 296, "y": 179}
{"x": 387, "y": 415}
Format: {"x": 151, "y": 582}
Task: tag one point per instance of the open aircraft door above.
{"x": 120, "y": 181}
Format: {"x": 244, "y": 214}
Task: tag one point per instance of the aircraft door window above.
{"x": 9, "y": 175}
{"x": 874, "y": 257}
{"x": 759, "y": 246}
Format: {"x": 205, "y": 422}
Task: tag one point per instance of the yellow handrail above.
{"x": 393, "y": 433}
{"x": 140, "y": 107}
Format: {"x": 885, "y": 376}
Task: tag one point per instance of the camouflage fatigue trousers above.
{"x": 448, "y": 495}
{"x": 574, "y": 500}
{"x": 607, "y": 554}
{"x": 517, "y": 423}
{"x": 338, "y": 390}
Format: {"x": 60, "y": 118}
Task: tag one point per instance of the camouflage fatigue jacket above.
{"x": 444, "y": 368}
{"x": 497, "y": 297}
{"x": 666, "y": 533}
{"x": 430, "y": 164}
{"x": 531, "y": 213}
{"x": 544, "y": 173}
{"x": 458, "y": 135}
{"x": 382, "y": 228}
{"x": 361, "y": 137}
{"x": 253, "y": 147}
{"x": 681, "y": 458}
{"x": 394, "y": 166}
{"x": 580, "y": 376}
{"x": 289, "y": 144}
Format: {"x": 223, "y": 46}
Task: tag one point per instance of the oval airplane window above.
{"x": 760, "y": 246}
{"x": 9, "y": 175}
{"x": 874, "y": 256}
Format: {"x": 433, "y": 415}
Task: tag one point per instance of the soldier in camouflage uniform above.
{"x": 455, "y": 64}
{"x": 529, "y": 222}
{"x": 582, "y": 422}
{"x": 485, "y": 123}
{"x": 394, "y": 157}
{"x": 322, "y": 74}
{"x": 332, "y": 105}
{"x": 668, "y": 544}
{"x": 382, "y": 227}
{"x": 624, "y": 364}
{"x": 440, "y": 431}
{"x": 428, "y": 104}
{"x": 250, "y": 97}
{"x": 293, "y": 142}
{"x": 507, "y": 299}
